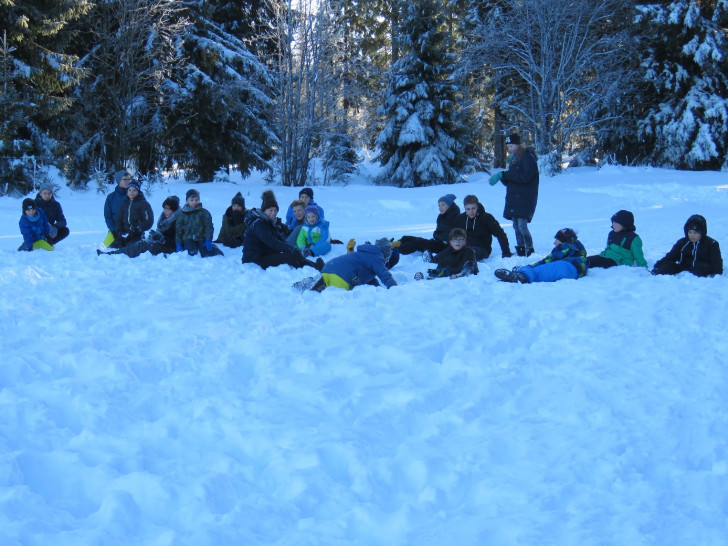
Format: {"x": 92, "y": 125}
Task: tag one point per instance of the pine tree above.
{"x": 221, "y": 111}
{"x": 420, "y": 143}
{"x": 687, "y": 69}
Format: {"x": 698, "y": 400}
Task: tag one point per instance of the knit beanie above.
{"x": 269, "y": 200}
{"x": 566, "y": 235}
{"x": 135, "y": 184}
{"x": 192, "y": 193}
{"x": 238, "y": 199}
{"x": 172, "y": 202}
{"x": 120, "y": 174}
{"x": 448, "y": 199}
{"x": 28, "y": 204}
{"x": 314, "y": 209}
{"x": 624, "y": 218}
{"x": 46, "y": 186}
{"x": 513, "y": 138}
{"x": 385, "y": 246}
{"x": 307, "y": 191}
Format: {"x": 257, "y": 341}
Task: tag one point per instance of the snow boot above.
{"x": 427, "y": 257}
{"x": 419, "y": 276}
{"x": 511, "y": 276}
{"x": 521, "y": 250}
{"x": 529, "y": 251}
{"x": 319, "y": 264}
{"x": 307, "y": 284}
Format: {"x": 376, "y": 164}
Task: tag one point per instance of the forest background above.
{"x": 196, "y": 88}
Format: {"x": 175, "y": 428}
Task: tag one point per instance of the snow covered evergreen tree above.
{"x": 687, "y": 66}
{"x": 420, "y": 143}
{"x": 220, "y": 113}
{"x": 36, "y": 81}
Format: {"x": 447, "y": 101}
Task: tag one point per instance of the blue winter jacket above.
{"x": 262, "y": 238}
{"x": 35, "y": 228}
{"x": 112, "y": 205}
{"x": 361, "y": 266}
{"x": 291, "y": 218}
{"x": 573, "y": 252}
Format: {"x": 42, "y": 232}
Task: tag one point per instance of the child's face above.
{"x": 237, "y": 208}
{"x": 167, "y": 212}
{"x": 193, "y": 201}
{"x": 457, "y": 243}
{"x": 617, "y": 227}
{"x": 557, "y": 242}
{"x": 30, "y": 212}
{"x": 443, "y": 206}
{"x": 511, "y": 148}
{"x": 298, "y": 213}
{"x": 311, "y": 218}
{"x": 305, "y": 198}
{"x": 471, "y": 210}
{"x": 271, "y": 212}
{"x": 46, "y": 195}
{"x": 132, "y": 192}
{"x": 694, "y": 236}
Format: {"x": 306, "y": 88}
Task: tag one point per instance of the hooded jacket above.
{"x": 233, "y": 225}
{"x": 446, "y": 222}
{"x": 360, "y": 267}
{"x": 480, "y": 231}
{"x": 193, "y": 224}
{"x": 572, "y": 252}
{"x": 35, "y": 228}
{"x": 455, "y": 261}
{"x": 134, "y": 216}
{"x": 702, "y": 258}
{"x": 112, "y": 205}
{"x": 262, "y": 237}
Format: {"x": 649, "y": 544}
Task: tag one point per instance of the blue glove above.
{"x": 179, "y": 247}
{"x": 495, "y": 178}
{"x": 208, "y": 245}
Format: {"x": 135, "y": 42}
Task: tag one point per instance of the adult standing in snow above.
{"x": 46, "y": 201}
{"x": 265, "y": 244}
{"x": 135, "y": 216}
{"x": 521, "y": 182}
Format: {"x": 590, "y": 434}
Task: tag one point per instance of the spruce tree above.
{"x": 686, "y": 67}
{"x": 420, "y": 143}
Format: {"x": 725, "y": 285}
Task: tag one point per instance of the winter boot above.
{"x": 419, "y": 276}
{"x": 511, "y": 276}
{"x": 319, "y": 264}
{"x": 529, "y": 251}
{"x": 521, "y": 250}
{"x": 307, "y": 283}
{"x": 350, "y": 246}
{"x": 427, "y": 257}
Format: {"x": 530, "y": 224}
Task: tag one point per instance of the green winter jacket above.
{"x": 625, "y": 248}
{"x": 194, "y": 224}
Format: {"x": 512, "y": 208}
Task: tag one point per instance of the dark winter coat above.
{"x": 194, "y": 224}
{"x": 702, "y": 258}
{"x": 454, "y": 261}
{"x": 233, "y": 226}
{"x": 165, "y": 234}
{"x": 112, "y": 206}
{"x": 262, "y": 238}
{"x": 521, "y": 182}
{"x": 480, "y": 231}
{"x": 134, "y": 216}
{"x": 625, "y": 248}
{"x": 35, "y": 228}
{"x": 361, "y": 267}
{"x": 446, "y": 222}
{"x": 574, "y": 253}
{"x": 53, "y": 211}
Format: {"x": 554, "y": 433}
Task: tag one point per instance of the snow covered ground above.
{"x": 183, "y": 401}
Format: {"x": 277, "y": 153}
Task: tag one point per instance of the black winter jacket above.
{"x": 262, "y": 238}
{"x": 481, "y": 230}
{"x": 455, "y": 261}
{"x": 702, "y": 258}
{"x": 446, "y": 222}
{"x": 135, "y": 217}
{"x": 521, "y": 182}
{"x": 53, "y": 211}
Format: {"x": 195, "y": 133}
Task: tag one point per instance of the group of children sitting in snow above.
{"x": 459, "y": 241}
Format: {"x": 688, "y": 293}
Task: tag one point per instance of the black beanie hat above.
{"x": 307, "y": 191}
{"x": 191, "y": 193}
{"x": 513, "y": 138}
{"x": 238, "y": 199}
{"x": 172, "y": 202}
{"x": 566, "y": 235}
{"x": 28, "y": 203}
{"x": 624, "y": 218}
{"x": 269, "y": 200}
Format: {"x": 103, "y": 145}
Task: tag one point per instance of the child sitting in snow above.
{"x": 362, "y": 266}
{"x": 232, "y": 231}
{"x": 566, "y": 261}
{"x": 313, "y": 238}
{"x": 624, "y": 246}
{"x": 46, "y": 201}
{"x": 457, "y": 260}
{"x": 194, "y": 228}
{"x": 696, "y": 252}
{"x": 34, "y": 227}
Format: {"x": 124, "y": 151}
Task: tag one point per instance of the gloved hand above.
{"x": 506, "y": 254}
{"x": 53, "y": 232}
{"x": 510, "y": 160}
{"x": 208, "y": 245}
{"x": 307, "y": 252}
{"x": 178, "y": 247}
{"x": 495, "y": 178}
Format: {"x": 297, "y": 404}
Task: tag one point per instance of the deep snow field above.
{"x": 183, "y": 401}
